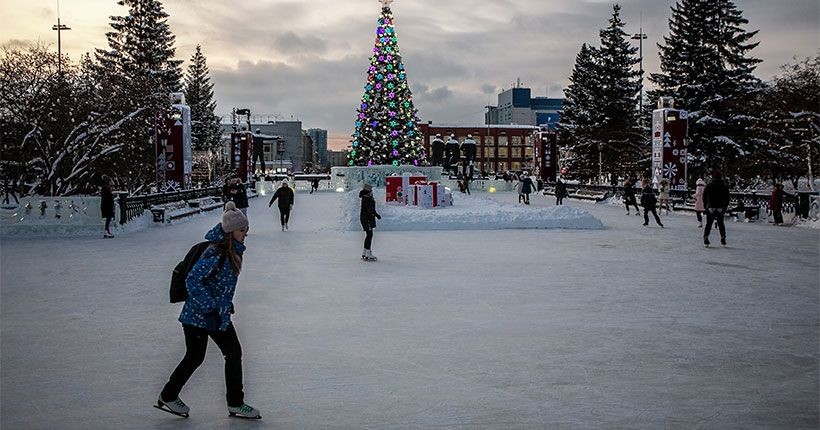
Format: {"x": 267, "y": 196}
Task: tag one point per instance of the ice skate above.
{"x": 723, "y": 241}
{"x": 705, "y": 242}
{"x": 700, "y": 225}
{"x": 245, "y": 411}
{"x": 283, "y": 228}
{"x": 368, "y": 256}
{"x": 176, "y": 407}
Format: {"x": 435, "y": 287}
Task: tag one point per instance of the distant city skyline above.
{"x": 308, "y": 59}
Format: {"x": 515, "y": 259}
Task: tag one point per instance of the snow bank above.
{"x": 467, "y": 213}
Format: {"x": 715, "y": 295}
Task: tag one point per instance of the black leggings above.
{"x": 559, "y": 200}
{"x": 107, "y": 223}
{"x": 714, "y": 216}
{"x": 368, "y": 237}
{"x": 284, "y": 216}
{"x": 654, "y": 213}
{"x": 196, "y": 343}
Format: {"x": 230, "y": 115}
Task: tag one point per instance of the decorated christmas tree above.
{"x": 386, "y": 129}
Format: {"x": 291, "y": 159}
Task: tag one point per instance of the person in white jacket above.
{"x": 700, "y": 185}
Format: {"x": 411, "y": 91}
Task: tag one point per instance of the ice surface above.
{"x": 625, "y": 327}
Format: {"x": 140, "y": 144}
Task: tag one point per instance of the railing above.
{"x": 134, "y": 206}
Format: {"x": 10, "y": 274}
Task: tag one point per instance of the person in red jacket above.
{"x": 776, "y": 204}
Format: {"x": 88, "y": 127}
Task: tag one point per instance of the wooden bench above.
{"x": 171, "y": 211}
{"x": 206, "y": 203}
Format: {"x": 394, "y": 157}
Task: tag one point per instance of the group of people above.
{"x": 711, "y": 200}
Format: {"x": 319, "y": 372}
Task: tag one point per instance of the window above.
{"x": 516, "y": 140}
{"x": 502, "y": 141}
{"x": 516, "y": 166}
{"x": 489, "y": 152}
{"x": 528, "y": 151}
{"x": 502, "y": 166}
{"x": 516, "y": 151}
{"x": 502, "y": 152}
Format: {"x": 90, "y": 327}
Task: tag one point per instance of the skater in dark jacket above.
{"x": 368, "y": 216}
{"x": 527, "y": 187}
{"x": 560, "y": 192}
{"x": 107, "y": 206}
{"x": 649, "y": 203}
{"x": 716, "y": 200}
{"x": 285, "y": 196}
{"x": 629, "y": 196}
{"x": 237, "y": 193}
{"x": 211, "y": 284}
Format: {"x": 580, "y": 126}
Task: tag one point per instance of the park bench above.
{"x": 596, "y": 196}
{"x": 170, "y": 211}
{"x": 206, "y": 203}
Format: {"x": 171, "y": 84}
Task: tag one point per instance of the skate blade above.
{"x": 243, "y": 417}
{"x": 171, "y": 412}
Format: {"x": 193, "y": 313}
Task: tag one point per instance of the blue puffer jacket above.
{"x": 207, "y": 299}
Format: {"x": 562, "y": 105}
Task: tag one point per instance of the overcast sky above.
{"x": 308, "y": 59}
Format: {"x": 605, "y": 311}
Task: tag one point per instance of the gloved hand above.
{"x": 378, "y": 216}
{"x": 290, "y": 208}
{"x": 214, "y": 315}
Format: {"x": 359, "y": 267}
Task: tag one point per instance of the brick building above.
{"x": 499, "y": 147}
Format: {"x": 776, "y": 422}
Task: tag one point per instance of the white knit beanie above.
{"x": 233, "y": 219}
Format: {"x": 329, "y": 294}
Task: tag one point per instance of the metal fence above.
{"x": 134, "y": 206}
{"x": 797, "y": 202}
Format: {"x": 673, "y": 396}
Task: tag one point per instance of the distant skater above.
{"x": 649, "y": 202}
{"x": 700, "y": 185}
{"x": 285, "y": 196}
{"x": 663, "y": 195}
{"x": 107, "y": 206}
{"x": 560, "y": 192}
{"x": 716, "y": 200}
{"x": 368, "y": 216}
{"x": 629, "y": 196}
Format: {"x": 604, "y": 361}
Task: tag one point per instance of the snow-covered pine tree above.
{"x": 386, "y": 130}
{"x": 792, "y": 119}
{"x": 580, "y": 117}
{"x": 199, "y": 95}
{"x": 617, "y": 100}
{"x": 706, "y": 68}
{"x": 138, "y": 71}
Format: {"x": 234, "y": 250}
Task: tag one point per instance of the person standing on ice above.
{"x": 629, "y": 196}
{"x": 663, "y": 195}
{"x": 776, "y": 204}
{"x": 285, "y": 196}
{"x": 560, "y": 192}
{"x": 649, "y": 202}
{"x": 527, "y": 186}
{"x": 211, "y": 284}
{"x": 700, "y": 185}
{"x": 107, "y": 206}
{"x": 368, "y": 216}
{"x": 716, "y": 200}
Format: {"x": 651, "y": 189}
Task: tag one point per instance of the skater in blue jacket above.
{"x": 207, "y": 313}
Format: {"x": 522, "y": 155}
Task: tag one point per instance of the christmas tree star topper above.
{"x": 385, "y": 3}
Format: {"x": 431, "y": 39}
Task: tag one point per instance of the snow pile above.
{"x": 467, "y": 213}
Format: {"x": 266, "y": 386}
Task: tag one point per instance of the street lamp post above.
{"x": 640, "y": 36}
{"x": 59, "y": 27}
{"x": 600, "y": 162}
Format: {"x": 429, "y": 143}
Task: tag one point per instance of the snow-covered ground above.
{"x": 624, "y": 327}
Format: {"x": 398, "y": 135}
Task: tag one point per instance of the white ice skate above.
{"x": 245, "y": 411}
{"x": 368, "y": 256}
{"x": 176, "y": 407}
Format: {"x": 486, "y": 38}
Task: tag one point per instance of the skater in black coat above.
{"x": 560, "y": 192}
{"x": 285, "y": 196}
{"x": 107, "y": 206}
{"x": 629, "y": 196}
{"x": 368, "y": 216}
{"x": 527, "y": 187}
{"x": 715, "y": 200}
{"x": 649, "y": 202}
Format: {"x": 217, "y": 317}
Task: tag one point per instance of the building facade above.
{"x": 319, "y": 137}
{"x": 290, "y": 154}
{"x": 499, "y": 147}
{"x": 517, "y": 106}
{"x": 337, "y": 158}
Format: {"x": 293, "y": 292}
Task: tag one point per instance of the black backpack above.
{"x": 179, "y": 292}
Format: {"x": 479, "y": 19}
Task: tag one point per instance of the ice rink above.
{"x": 625, "y": 327}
